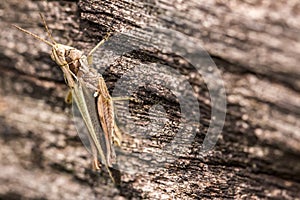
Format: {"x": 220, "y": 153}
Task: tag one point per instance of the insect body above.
{"x": 85, "y": 83}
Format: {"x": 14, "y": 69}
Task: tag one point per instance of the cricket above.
{"x": 84, "y": 83}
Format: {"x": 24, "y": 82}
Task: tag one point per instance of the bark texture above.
{"x": 256, "y": 46}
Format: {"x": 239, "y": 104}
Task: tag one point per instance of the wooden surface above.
{"x": 256, "y": 46}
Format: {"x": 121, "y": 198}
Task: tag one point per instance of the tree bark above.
{"x": 254, "y": 45}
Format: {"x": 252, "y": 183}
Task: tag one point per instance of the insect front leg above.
{"x": 68, "y": 97}
{"x": 90, "y": 54}
{"x": 68, "y": 77}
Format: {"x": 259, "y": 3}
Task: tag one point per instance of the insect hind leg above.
{"x": 117, "y": 135}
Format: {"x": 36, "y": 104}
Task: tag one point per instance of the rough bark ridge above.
{"x": 256, "y": 47}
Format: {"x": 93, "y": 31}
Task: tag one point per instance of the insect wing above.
{"x": 87, "y": 122}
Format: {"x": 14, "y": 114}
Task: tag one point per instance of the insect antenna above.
{"x": 33, "y": 35}
{"x": 47, "y": 29}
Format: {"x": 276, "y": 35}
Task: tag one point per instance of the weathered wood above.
{"x": 256, "y": 47}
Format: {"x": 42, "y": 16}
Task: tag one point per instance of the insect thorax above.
{"x": 65, "y": 55}
{"x": 89, "y": 75}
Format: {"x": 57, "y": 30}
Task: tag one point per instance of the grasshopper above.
{"x": 85, "y": 83}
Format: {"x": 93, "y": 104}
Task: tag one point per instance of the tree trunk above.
{"x": 255, "y": 47}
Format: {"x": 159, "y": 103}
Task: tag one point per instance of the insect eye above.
{"x": 61, "y": 52}
{"x": 68, "y": 52}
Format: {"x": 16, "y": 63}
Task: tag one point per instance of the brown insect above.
{"x": 87, "y": 85}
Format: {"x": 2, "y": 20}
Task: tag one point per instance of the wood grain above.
{"x": 255, "y": 46}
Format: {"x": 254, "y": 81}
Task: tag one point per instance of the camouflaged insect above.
{"x": 90, "y": 93}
